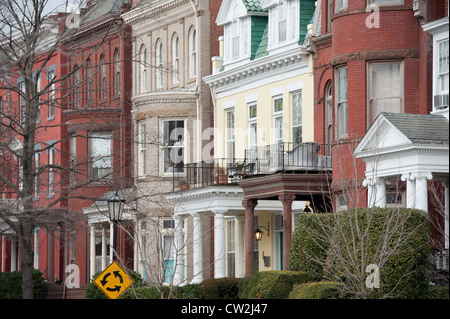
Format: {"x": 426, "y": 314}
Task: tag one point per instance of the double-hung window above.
{"x": 176, "y": 59}
{"x": 143, "y": 67}
{"x": 192, "y": 53}
{"x": 51, "y": 96}
{"x": 51, "y": 171}
{"x": 101, "y": 155}
{"x": 329, "y": 113}
{"x": 341, "y": 103}
{"x": 159, "y": 62}
{"x": 173, "y": 145}
{"x": 278, "y": 119}
{"x": 282, "y": 21}
{"x": 231, "y": 247}
{"x": 443, "y": 67}
{"x": 142, "y": 148}
{"x": 21, "y": 87}
{"x": 252, "y": 126}
{"x": 296, "y": 100}
{"x": 385, "y": 88}
{"x": 341, "y": 5}
{"x": 230, "y": 134}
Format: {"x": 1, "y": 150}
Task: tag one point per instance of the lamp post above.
{"x": 115, "y": 205}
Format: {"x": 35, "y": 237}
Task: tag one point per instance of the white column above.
{"x": 104, "y": 247}
{"x": 422, "y": 191}
{"x": 219, "y": 244}
{"x": 92, "y": 251}
{"x": 179, "y": 247}
{"x": 240, "y": 269}
{"x": 111, "y": 241}
{"x": 13, "y": 254}
{"x": 136, "y": 242}
{"x": 410, "y": 190}
{"x": 446, "y": 227}
{"x": 368, "y": 182}
{"x": 380, "y": 196}
{"x": 198, "y": 249}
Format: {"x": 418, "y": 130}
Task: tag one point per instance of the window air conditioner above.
{"x": 441, "y": 101}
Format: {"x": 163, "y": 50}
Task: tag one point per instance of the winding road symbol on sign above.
{"x": 113, "y": 281}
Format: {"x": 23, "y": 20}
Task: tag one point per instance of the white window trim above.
{"x": 277, "y": 115}
{"x": 230, "y": 137}
{"x": 101, "y": 135}
{"x": 184, "y": 146}
{"x": 338, "y": 135}
{"x": 252, "y": 121}
{"x": 142, "y": 149}
{"x": 175, "y": 59}
{"x": 292, "y": 113}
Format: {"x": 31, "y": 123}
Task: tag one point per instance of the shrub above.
{"x": 438, "y": 292}
{"x": 190, "y": 291}
{"x": 11, "y": 284}
{"x": 315, "y": 290}
{"x": 93, "y": 292}
{"x": 272, "y": 284}
{"x": 324, "y": 244}
{"x": 222, "y": 288}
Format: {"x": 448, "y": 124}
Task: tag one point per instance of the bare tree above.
{"x": 30, "y": 36}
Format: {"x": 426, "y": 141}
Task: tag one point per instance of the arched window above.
{"x": 328, "y": 113}
{"x": 89, "y": 86}
{"x": 159, "y": 63}
{"x": 175, "y": 59}
{"x": 76, "y": 86}
{"x": 116, "y": 72}
{"x": 143, "y": 69}
{"x": 192, "y": 53}
{"x": 102, "y": 78}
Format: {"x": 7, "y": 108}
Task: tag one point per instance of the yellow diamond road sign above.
{"x": 113, "y": 281}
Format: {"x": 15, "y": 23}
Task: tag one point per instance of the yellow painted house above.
{"x": 262, "y": 89}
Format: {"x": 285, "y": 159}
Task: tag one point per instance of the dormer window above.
{"x": 284, "y": 23}
{"x": 235, "y": 38}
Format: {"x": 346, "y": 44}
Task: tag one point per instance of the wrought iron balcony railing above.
{"x": 258, "y": 161}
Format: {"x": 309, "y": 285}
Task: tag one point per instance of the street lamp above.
{"x": 115, "y": 205}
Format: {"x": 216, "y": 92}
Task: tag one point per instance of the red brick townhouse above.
{"x": 43, "y": 79}
{"x": 99, "y": 131}
{"x": 373, "y": 58}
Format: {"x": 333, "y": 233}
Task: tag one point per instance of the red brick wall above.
{"x": 400, "y": 38}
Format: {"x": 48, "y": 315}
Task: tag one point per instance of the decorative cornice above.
{"x": 152, "y": 10}
{"x": 265, "y": 66}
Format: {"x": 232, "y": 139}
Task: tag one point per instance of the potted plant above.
{"x": 183, "y": 184}
{"x": 221, "y": 177}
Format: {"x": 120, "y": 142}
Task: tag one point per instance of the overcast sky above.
{"x": 60, "y": 5}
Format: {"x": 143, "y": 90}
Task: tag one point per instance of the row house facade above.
{"x": 263, "y": 140}
{"x": 100, "y": 133}
{"x": 172, "y": 113}
{"x": 50, "y": 149}
{"x": 374, "y": 90}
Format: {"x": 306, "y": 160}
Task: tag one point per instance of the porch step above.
{"x": 55, "y": 291}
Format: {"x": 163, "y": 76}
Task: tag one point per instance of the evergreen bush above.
{"x": 315, "y": 290}
{"x": 322, "y": 245}
{"x": 272, "y": 284}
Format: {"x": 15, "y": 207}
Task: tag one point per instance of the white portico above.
{"x": 414, "y": 147}
{"x": 223, "y": 203}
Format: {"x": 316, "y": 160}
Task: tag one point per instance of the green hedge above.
{"x": 11, "y": 285}
{"x": 272, "y": 284}
{"x": 316, "y": 290}
{"x": 318, "y": 237}
{"x": 223, "y": 288}
{"x": 438, "y": 292}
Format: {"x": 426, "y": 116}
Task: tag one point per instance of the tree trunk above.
{"x": 26, "y": 250}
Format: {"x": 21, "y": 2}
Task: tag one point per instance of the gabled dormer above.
{"x": 288, "y": 21}
{"x": 244, "y": 23}
{"x": 256, "y": 28}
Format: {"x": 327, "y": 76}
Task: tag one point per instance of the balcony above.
{"x": 269, "y": 159}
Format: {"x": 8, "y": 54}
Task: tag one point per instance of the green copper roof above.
{"x": 253, "y": 5}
